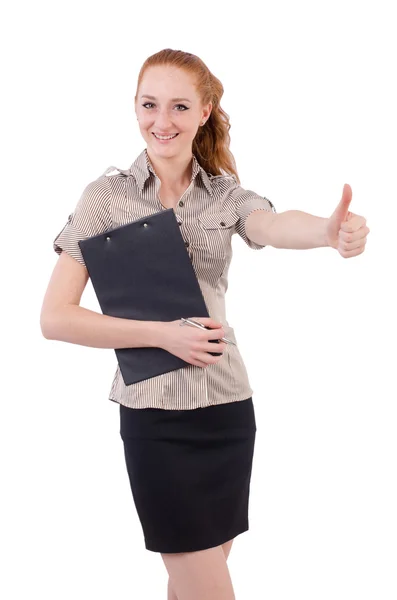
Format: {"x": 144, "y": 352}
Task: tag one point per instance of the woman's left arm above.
{"x": 295, "y": 229}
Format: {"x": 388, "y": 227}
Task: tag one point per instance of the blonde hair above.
{"x": 211, "y": 144}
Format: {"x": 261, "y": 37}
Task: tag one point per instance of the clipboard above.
{"x": 142, "y": 271}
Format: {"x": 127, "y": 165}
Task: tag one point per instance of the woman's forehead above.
{"x": 164, "y": 81}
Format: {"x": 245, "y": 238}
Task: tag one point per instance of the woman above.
{"x": 188, "y": 435}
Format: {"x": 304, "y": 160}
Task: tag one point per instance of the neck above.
{"x": 175, "y": 172}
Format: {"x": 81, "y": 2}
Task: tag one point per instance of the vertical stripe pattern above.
{"x": 209, "y": 212}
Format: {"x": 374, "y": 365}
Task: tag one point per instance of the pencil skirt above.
{"x": 189, "y": 473}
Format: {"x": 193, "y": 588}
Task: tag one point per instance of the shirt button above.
{"x": 222, "y": 223}
{"x": 179, "y": 223}
{"x": 187, "y": 244}
{"x": 181, "y": 203}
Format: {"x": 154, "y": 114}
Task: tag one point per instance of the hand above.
{"x": 346, "y": 231}
{"x": 191, "y": 343}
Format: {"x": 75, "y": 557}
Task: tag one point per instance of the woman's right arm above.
{"x": 63, "y": 319}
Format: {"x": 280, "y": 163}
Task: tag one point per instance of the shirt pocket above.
{"x": 212, "y": 243}
{"x": 218, "y": 229}
{"x": 219, "y": 220}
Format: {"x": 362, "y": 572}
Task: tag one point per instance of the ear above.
{"x": 207, "y": 110}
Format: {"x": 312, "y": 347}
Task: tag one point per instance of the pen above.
{"x": 196, "y": 324}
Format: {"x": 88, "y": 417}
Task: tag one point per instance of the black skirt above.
{"x": 189, "y": 472}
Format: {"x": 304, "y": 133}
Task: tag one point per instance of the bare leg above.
{"x": 170, "y": 590}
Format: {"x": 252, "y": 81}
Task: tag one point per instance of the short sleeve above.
{"x": 245, "y": 202}
{"x": 90, "y": 217}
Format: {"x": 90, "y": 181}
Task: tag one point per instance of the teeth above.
{"x": 165, "y": 137}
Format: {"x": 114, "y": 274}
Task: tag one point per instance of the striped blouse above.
{"x": 209, "y": 212}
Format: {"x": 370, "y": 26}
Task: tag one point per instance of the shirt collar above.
{"x": 142, "y": 167}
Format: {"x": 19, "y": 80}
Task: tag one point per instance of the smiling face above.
{"x": 168, "y": 104}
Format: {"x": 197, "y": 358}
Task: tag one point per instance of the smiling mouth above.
{"x": 165, "y": 137}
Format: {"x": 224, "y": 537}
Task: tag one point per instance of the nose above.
{"x": 163, "y": 120}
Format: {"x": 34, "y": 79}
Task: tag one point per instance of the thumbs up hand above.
{"x": 346, "y": 231}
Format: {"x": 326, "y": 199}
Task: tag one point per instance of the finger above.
{"x": 348, "y": 246}
{"x": 353, "y": 224}
{"x": 214, "y": 334}
{"x": 198, "y": 363}
{"x": 351, "y": 253}
{"x": 213, "y": 324}
{"x": 207, "y": 321}
{"x": 207, "y": 358}
{"x": 356, "y": 235}
{"x": 211, "y": 347}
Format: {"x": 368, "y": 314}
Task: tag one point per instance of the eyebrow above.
{"x": 172, "y": 99}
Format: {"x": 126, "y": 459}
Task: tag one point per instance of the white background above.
{"x": 310, "y": 91}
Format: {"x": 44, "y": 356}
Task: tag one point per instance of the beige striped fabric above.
{"x": 209, "y": 212}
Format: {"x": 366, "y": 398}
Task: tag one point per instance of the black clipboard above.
{"x": 142, "y": 271}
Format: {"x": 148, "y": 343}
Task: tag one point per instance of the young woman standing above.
{"x": 188, "y": 435}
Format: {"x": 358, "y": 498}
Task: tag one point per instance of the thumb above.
{"x": 342, "y": 210}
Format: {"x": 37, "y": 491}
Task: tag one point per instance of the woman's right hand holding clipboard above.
{"x": 194, "y": 345}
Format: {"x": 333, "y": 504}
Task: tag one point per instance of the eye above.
{"x": 182, "y": 105}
